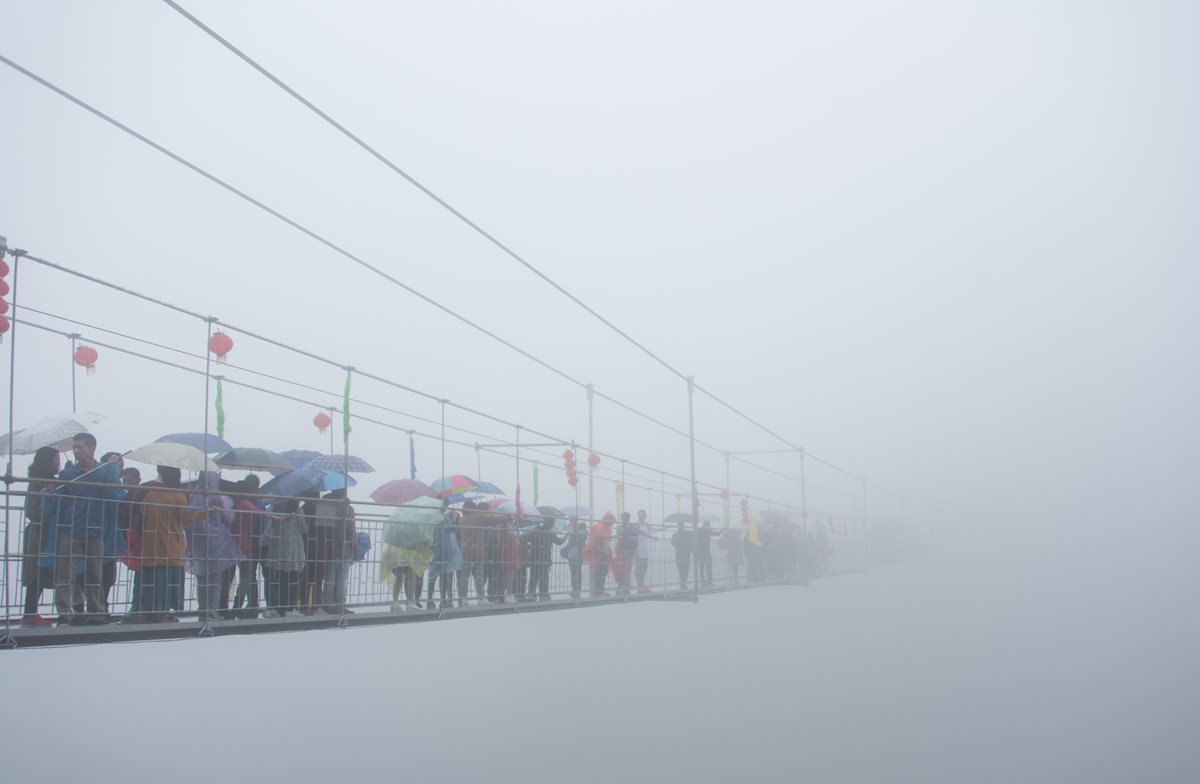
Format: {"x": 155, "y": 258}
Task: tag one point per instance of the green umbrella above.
{"x": 252, "y": 458}
{"x": 413, "y": 524}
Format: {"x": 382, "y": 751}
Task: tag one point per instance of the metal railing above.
{"x": 120, "y": 565}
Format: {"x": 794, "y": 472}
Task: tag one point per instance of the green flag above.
{"x": 346, "y": 410}
{"x": 220, "y": 411}
{"x": 535, "y": 484}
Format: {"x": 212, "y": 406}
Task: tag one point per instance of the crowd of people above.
{"x": 85, "y": 518}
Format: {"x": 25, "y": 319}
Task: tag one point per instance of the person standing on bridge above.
{"x": 598, "y": 553}
{"x": 577, "y": 535}
{"x": 79, "y": 518}
{"x": 683, "y": 542}
{"x": 704, "y": 537}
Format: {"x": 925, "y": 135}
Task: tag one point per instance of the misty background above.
{"x": 951, "y": 247}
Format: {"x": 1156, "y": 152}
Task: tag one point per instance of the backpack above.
{"x": 627, "y": 539}
{"x": 364, "y": 546}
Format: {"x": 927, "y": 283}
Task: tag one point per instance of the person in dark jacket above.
{"x": 247, "y": 531}
{"x": 576, "y": 536}
{"x": 539, "y": 550}
{"x": 79, "y": 520}
{"x": 37, "y": 535}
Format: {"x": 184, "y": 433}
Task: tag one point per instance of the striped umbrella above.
{"x": 340, "y": 463}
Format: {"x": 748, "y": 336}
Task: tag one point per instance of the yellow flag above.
{"x": 753, "y": 537}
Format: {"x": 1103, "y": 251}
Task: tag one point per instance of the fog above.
{"x": 951, "y": 248}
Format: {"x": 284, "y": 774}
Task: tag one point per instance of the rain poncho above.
{"x": 416, "y": 558}
{"x": 598, "y": 549}
{"x": 283, "y": 543}
{"x": 447, "y": 556}
{"x": 211, "y": 546}
{"x": 82, "y": 509}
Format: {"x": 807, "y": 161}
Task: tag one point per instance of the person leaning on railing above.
{"x": 160, "y": 519}
{"x": 38, "y": 532}
{"x": 79, "y": 521}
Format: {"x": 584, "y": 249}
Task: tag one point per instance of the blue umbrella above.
{"x": 299, "y": 458}
{"x": 304, "y": 480}
{"x": 196, "y": 440}
{"x": 582, "y": 512}
{"x": 340, "y": 463}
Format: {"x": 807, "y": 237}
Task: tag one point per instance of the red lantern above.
{"x": 572, "y": 480}
{"x": 593, "y": 459}
{"x": 568, "y": 455}
{"x": 725, "y": 495}
{"x": 3, "y": 306}
{"x": 86, "y": 356}
{"x": 4, "y": 325}
{"x": 322, "y": 421}
{"x": 4, "y": 289}
{"x": 220, "y": 344}
{"x": 3, "y": 268}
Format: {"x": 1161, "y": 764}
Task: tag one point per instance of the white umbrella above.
{"x": 57, "y": 432}
{"x": 177, "y": 455}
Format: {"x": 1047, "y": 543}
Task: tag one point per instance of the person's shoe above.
{"x": 574, "y": 594}
{"x": 272, "y": 614}
{"x": 398, "y": 607}
{"x": 99, "y": 619}
{"x": 643, "y": 589}
{"x": 35, "y": 620}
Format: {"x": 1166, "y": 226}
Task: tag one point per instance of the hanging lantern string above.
{"x": 307, "y": 387}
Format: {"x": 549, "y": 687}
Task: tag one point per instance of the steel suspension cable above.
{"x": 285, "y": 219}
{"x": 413, "y": 181}
{"x": 470, "y": 223}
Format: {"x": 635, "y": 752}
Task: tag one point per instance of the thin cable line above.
{"x": 372, "y": 268}
{"x": 413, "y": 181}
{"x": 468, "y": 222}
{"x": 285, "y": 219}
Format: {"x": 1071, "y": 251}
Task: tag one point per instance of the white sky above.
{"x": 952, "y": 247}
